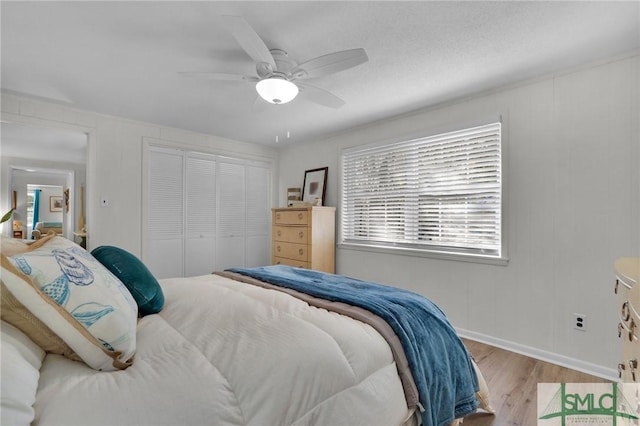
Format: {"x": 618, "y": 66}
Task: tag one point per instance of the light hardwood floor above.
{"x": 512, "y": 380}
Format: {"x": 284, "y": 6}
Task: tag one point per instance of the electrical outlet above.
{"x": 580, "y": 322}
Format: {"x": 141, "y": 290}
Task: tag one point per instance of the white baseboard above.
{"x": 561, "y": 360}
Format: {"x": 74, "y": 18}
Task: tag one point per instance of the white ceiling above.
{"x": 124, "y": 58}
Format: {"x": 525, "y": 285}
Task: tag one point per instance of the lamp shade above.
{"x": 276, "y": 90}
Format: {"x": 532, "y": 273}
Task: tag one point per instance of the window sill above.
{"x": 433, "y": 254}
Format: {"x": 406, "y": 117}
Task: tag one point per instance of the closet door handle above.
{"x": 615, "y": 289}
{"x": 621, "y": 368}
{"x": 632, "y": 326}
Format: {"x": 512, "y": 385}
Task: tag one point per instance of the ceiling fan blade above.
{"x": 248, "y": 39}
{"x": 320, "y": 96}
{"x": 331, "y": 63}
{"x": 220, "y": 76}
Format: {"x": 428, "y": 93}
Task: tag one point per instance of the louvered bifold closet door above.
{"x": 258, "y": 249}
{"x": 205, "y": 212}
{"x": 200, "y": 241}
{"x": 165, "y": 224}
{"x": 230, "y": 241}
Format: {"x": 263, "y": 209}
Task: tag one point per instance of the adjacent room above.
{"x": 311, "y": 212}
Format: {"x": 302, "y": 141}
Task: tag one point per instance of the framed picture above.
{"x": 55, "y": 204}
{"x": 314, "y": 187}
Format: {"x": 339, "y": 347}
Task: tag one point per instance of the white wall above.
{"x": 114, "y": 167}
{"x": 572, "y": 194}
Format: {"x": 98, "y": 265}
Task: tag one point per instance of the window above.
{"x": 441, "y": 193}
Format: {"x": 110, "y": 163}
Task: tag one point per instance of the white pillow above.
{"x": 83, "y": 303}
{"x": 21, "y": 361}
{"x": 11, "y": 246}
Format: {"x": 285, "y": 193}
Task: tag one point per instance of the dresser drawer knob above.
{"x": 300, "y": 216}
{"x": 279, "y": 233}
{"x": 625, "y": 311}
{"x": 619, "y": 329}
{"x": 278, "y": 216}
{"x": 301, "y": 234}
{"x": 278, "y": 249}
{"x": 300, "y": 252}
{"x": 633, "y": 364}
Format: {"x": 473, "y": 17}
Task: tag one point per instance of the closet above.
{"x": 204, "y": 212}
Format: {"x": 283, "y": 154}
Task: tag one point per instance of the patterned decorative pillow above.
{"x": 83, "y": 303}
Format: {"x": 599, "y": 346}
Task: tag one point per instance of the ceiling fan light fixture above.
{"x": 277, "y": 90}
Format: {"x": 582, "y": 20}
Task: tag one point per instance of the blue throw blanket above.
{"x": 438, "y": 359}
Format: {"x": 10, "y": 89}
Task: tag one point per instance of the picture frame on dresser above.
{"x": 315, "y": 185}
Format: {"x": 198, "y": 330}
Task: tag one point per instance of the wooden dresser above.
{"x": 627, "y": 274}
{"x": 304, "y": 237}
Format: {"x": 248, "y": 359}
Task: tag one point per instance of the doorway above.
{"x": 52, "y": 160}
{"x": 40, "y": 198}
{"x": 45, "y": 211}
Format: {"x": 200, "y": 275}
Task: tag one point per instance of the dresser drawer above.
{"x": 290, "y": 262}
{"x": 628, "y": 369}
{"x": 628, "y": 292}
{"x": 291, "y": 234}
{"x": 291, "y": 251}
{"x": 291, "y": 217}
{"x": 628, "y": 327}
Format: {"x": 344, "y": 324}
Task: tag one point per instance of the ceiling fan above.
{"x": 278, "y": 77}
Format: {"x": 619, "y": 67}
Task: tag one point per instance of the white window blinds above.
{"x": 439, "y": 193}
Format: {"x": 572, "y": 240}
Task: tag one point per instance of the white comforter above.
{"x": 227, "y": 353}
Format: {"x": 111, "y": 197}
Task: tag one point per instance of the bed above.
{"x": 229, "y": 348}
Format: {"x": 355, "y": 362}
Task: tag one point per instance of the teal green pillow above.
{"x": 142, "y": 285}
